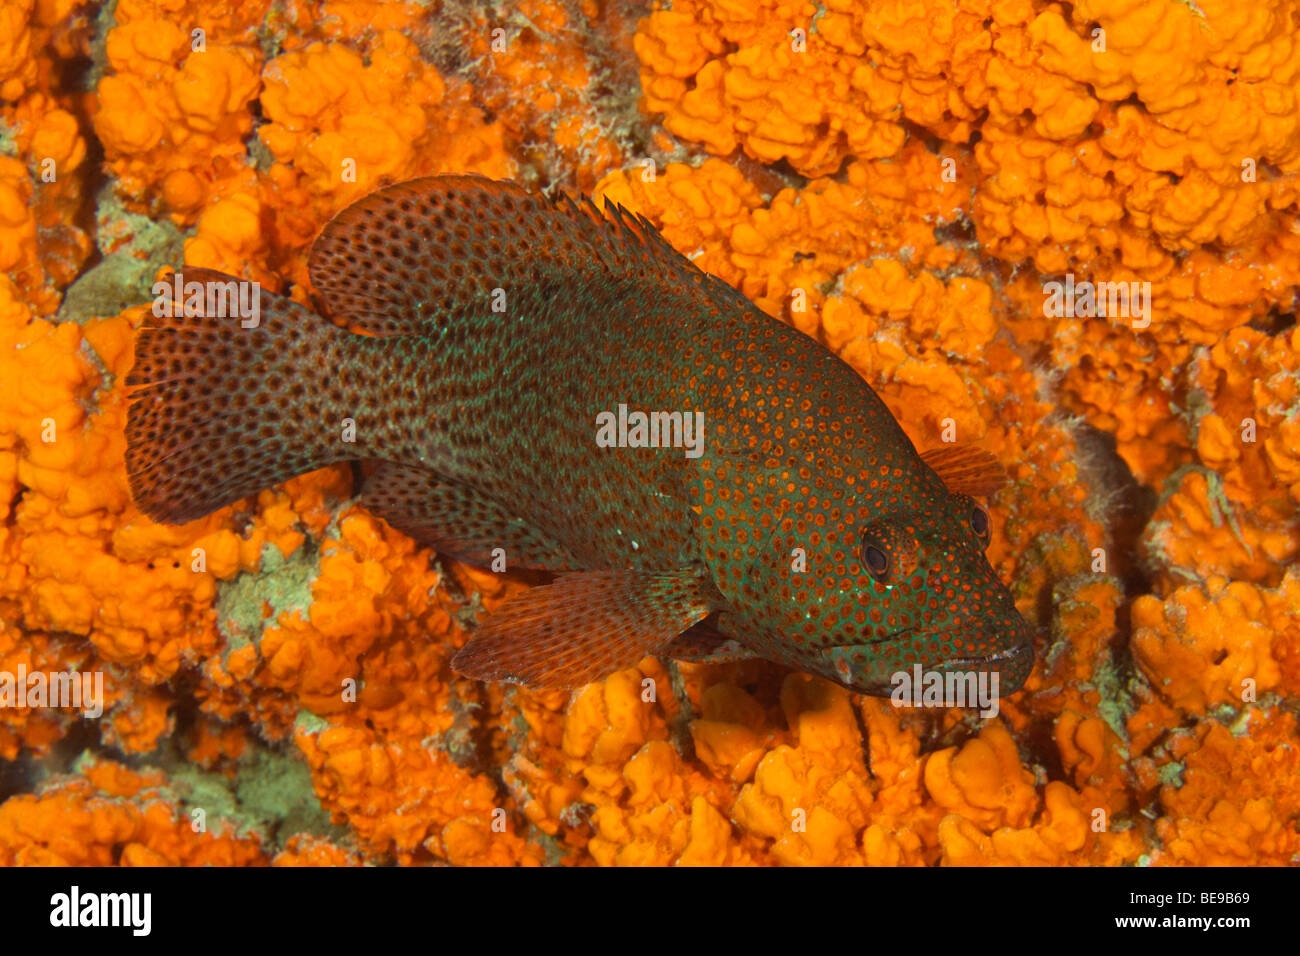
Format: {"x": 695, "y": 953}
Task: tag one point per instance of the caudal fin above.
{"x": 233, "y": 395}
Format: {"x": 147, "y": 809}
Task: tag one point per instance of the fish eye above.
{"x": 876, "y": 562}
{"x": 979, "y": 522}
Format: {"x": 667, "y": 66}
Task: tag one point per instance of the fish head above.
{"x": 863, "y": 593}
{"x": 926, "y": 595}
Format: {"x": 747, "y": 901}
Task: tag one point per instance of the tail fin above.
{"x": 232, "y": 400}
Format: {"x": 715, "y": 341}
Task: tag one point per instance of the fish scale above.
{"x": 485, "y": 421}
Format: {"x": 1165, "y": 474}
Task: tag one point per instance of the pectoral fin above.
{"x": 585, "y": 626}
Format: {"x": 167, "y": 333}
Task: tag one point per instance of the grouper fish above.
{"x": 547, "y": 382}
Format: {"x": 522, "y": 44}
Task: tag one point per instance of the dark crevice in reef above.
{"x": 957, "y": 232}
{"x": 16, "y": 776}
{"x": 864, "y": 735}
{"x": 1037, "y": 744}
{"x": 1125, "y": 509}
{"x": 932, "y": 143}
{"x": 83, "y": 75}
{"x": 29, "y": 773}
{"x": 771, "y": 178}
{"x": 1274, "y": 322}
{"x": 96, "y": 179}
{"x": 55, "y": 240}
{"x": 1044, "y": 614}
{"x": 468, "y": 741}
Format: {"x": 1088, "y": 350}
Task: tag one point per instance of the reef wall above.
{"x": 904, "y": 181}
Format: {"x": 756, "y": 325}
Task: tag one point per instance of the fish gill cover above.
{"x": 1061, "y": 235}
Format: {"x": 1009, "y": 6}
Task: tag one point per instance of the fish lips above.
{"x": 1012, "y": 665}
{"x": 876, "y": 675}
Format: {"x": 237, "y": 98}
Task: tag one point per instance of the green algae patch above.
{"x": 280, "y": 583}
{"x": 271, "y": 796}
{"x": 134, "y": 248}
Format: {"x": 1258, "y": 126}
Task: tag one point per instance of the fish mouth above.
{"x": 1014, "y": 654}
{"x": 1013, "y": 664}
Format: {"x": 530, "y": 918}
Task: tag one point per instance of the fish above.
{"x": 539, "y": 380}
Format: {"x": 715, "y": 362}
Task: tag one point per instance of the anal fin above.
{"x": 458, "y": 521}
{"x": 585, "y": 626}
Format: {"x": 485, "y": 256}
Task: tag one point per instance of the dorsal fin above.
{"x": 420, "y": 255}
{"x": 966, "y": 469}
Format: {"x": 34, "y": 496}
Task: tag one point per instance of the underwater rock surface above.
{"x": 942, "y": 193}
